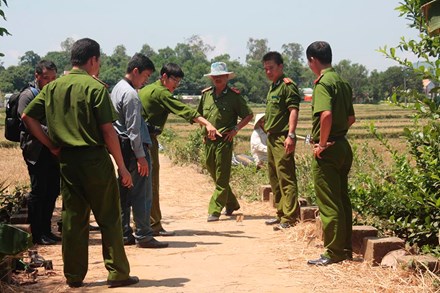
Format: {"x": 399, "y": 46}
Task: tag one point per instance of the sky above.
{"x": 355, "y": 29}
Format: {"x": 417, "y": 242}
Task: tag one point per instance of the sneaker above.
{"x": 213, "y": 218}
{"x": 282, "y": 226}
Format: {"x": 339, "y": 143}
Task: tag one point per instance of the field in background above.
{"x": 389, "y": 120}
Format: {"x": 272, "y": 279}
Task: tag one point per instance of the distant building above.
{"x": 308, "y": 92}
{"x": 428, "y": 85}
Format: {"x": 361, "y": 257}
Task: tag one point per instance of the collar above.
{"x": 279, "y": 81}
{"x": 128, "y": 81}
{"x": 324, "y": 71}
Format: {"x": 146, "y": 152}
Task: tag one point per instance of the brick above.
{"x": 272, "y": 200}
{"x": 422, "y": 262}
{"x": 359, "y": 233}
{"x": 308, "y": 213}
{"x": 375, "y": 248}
{"x": 19, "y": 219}
{"x": 23, "y": 227}
{"x": 264, "y": 192}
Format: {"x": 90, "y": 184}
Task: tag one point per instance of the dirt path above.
{"x": 225, "y": 256}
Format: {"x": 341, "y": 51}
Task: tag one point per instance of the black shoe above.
{"x": 123, "y": 283}
{"x": 44, "y": 240}
{"x": 272, "y": 221}
{"x": 162, "y": 232}
{"x": 129, "y": 240}
{"x": 153, "y": 243}
{"x": 213, "y": 218}
{"x": 228, "y": 211}
{"x": 75, "y": 284}
{"x": 282, "y": 226}
{"x": 53, "y": 237}
{"x": 322, "y": 261}
{"x": 94, "y": 228}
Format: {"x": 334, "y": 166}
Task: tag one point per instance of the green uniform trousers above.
{"x": 282, "y": 178}
{"x": 156, "y": 214}
{"x": 218, "y": 154}
{"x": 88, "y": 182}
{"x": 330, "y": 176}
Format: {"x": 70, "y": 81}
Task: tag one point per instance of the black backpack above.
{"x": 13, "y": 125}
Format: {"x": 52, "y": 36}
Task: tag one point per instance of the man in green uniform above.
{"x": 222, "y": 106}
{"x": 281, "y": 119}
{"x": 333, "y": 114}
{"x": 79, "y": 117}
{"x": 158, "y": 102}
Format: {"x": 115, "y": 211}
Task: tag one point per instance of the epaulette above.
{"x": 235, "y": 90}
{"x": 317, "y": 80}
{"x": 287, "y": 80}
{"x": 207, "y": 89}
{"x": 100, "y": 81}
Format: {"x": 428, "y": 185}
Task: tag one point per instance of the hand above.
{"x": 55, "y": 151}
{"x": 212, "y": 132}
{"x": 230, "y": 134}
{"x": 318, "y": 149}
{"x": 125, "y": 177}
{"x": 289, "y": 145}
{"x": 142, "y": 165}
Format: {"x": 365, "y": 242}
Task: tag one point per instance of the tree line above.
{"x": 191, "y": 55}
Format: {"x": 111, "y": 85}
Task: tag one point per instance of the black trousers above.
{"x": 45, "y": 188}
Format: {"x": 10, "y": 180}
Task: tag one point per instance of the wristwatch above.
{"x": 292, "y": 135}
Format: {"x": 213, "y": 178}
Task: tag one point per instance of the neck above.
{"x": 83, "y": 67}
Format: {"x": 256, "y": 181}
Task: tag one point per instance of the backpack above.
{"x": 13, "y": 124}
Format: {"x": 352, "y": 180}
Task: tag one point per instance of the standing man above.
{"x": 79, "y": 116}
{"x": 333, "y": 114}
{"x": 43, "y": 166}
{"x": 158, "y": 102}
{"x": 222, "y": 106}
{"x": 135, "y": 141}
{"x": 281, "y": 119}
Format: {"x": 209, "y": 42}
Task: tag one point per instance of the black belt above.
{"x": 330, "y": 139}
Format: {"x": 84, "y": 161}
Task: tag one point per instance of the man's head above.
{"x": 45, "y": 72}
{"x": 273, "y": 65}
{"x": 170, "y": 75}
{"x": 220, "y": 75}
{"x": 139, "y": 70}
{"x": 85, "y": 54}
{"x": 319, "y": 56}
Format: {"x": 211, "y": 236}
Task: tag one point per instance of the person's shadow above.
{"x": 170, "y": 282}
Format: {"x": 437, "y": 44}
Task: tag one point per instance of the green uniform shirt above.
{"x": 74, "y": 106}
{"x": 223, "y": 111}
{"x": 332, "y": 93}
{"x": 158, "y": 102}
{"x": 282, "y": 95}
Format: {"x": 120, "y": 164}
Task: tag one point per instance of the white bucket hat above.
{"x": 258, "y": 117}
{"x": 220, "y": 68}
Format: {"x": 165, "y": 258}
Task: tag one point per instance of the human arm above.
{"x": 112, "y": 142}
{"x": 351, "y": 120}
{"x": 34, "y": 127}
{"x": 231, "y": 133}
{"x": 325, "y": 119}
{"x": 211, "y": 130}
{"x": 289, "y": 143}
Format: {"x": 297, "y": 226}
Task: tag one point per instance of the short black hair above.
{"x": 274, "y": 56}
{"x": 83, "y": 50}
{"x": 141, "y": 62}
{"x": 321, "y": 51}
{"x": 172, "y": 69}
{"x": 49, "y": 65}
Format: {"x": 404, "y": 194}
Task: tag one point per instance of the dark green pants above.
{"x": 218, "y": 155}
{"x": 156, "y": 214}
{"x": 330, "y": 176}
{"x": 282, "y": 178}
{"x": 88, "y": 182}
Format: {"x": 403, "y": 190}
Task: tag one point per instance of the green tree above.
{"x": 357, "y": 77}
{"x": 257, "y": 48}
{"x": 30, "y": 58}
{"x": 3, "y": 31}
{"x": 61, "y": 60}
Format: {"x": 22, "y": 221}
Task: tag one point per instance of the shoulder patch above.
{"x": 206, "y": 89}
{"x": 100, "y": 81}
{"x": 287, "y": 80}
{"x": 235, "y": 90}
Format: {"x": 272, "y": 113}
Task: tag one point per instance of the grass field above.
{"x": 389, "y": 120}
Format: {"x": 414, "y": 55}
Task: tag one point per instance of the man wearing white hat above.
{"x": 259, "y": 141}
{"x": 221, "y": 105}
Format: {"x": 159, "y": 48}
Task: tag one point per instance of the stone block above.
{"x": 359, "y": 233}
{"x": 422, "y": 262}
{"x": 19, "y": 219}
{"x": 375, "y": 248}
{"x": 308, "y": 213}
{"x": 272, "y": 200}
{"x": 264, "y": 192}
